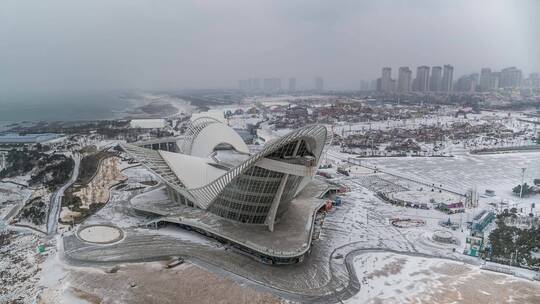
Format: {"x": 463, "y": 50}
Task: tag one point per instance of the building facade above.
{"x": 422, "y": 78}
{"x": 485, "y": 80}
{"x": 404, "y": 79}
{"x": 386, "y": 79}
{"x": 510, "y": 78}
{"x": 435, "y": 79}
{"x": 319, "y": 84}
{"x": 447, "y": 79}
{"x": 292, "y": 84}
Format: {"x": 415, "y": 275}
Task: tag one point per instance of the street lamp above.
{"x": 522, "y": 179}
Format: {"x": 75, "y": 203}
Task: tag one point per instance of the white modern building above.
{"x": 216, "y": 173}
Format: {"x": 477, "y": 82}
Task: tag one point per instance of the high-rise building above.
{"x": 277, "y": 84}
{"x": 292, "y": 84}
{"x": 404, "y": 79}
{"x": 386, "y": 79}
{"x": 447, "y": 79}
{"x": 534, "y": 80}
{"x": 373, "y": 85}
{"x": 435, "y": 79}
{"x": 422, "y": 78}
{"x": 378, "y": 86}
{"x": 272, "y": 85}
{"x": 393, "y": 85}
{"x": 268, "y": 84}
{"x": 244, "y": 84}
{"x": 467, "y": 83}
{"x": 319, "y": 84}
{"x": 364, "y": 85}
{"x": 256, "y": 84}
{"x": 495, "y": 79}
{"x": 510, "y": 78}
{"x": 485, "y": 80}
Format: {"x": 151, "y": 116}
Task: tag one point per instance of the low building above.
{"x": 451, "y": 208}
{"x": 482, "y": 220}
{"x": 474, "y": 245}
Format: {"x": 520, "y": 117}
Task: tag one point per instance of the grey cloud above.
{"x": 130, "y": 44}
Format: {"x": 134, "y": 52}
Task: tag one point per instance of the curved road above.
{"x": 342, "y": 284}
{"x": 56, "y": 198}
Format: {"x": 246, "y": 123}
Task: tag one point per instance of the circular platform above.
{"x": 100, "y": 234}
{"x": 444, "y": 237}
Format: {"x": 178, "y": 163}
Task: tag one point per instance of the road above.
{"x": 56, "y": 198}
{"x": 343, "y": 281}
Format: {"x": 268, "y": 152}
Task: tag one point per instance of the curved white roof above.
{"x": 194, "y": 172}
{"x": 214, "y": 134}
{"x": 201, "y": 181}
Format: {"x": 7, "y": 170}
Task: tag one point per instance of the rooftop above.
{"x": 291, "y": 236}
{"x": 194, "y": 172}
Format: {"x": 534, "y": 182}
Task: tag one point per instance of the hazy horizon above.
{"x": 64, "y": 45}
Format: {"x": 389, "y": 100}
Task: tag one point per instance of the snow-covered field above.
{"x": 12, "y": 196}
{"x": 498, "y": 172}
{"x": 426, "y": 197}
{"x": 395, "y": 278}
{"x": 364, "y": 220}
{"x": 20, "y": 264}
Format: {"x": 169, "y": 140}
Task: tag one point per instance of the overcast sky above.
{"x": 176, "y": 44}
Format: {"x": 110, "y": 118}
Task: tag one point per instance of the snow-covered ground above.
{"x": 395, "y": 278}
{"x": 498, "y": 172}
{"x": 364, "y": 220}
{"x": 12, "y": 197}
{"x": 184, "y": 235}
{"x": 426, "y": 197}
{"x": 116, "y": 211}
{"x": 20, "y": 264}
{"x": 241, "y": 121}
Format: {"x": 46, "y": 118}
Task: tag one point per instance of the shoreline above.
{"x": 93, "y": 108}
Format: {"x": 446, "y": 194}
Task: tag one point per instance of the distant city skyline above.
{"x": 273, "y": 85}
{"x": 61, "y": 45}
{"x": 432, "y": 78}
{"x": 441, "y": 79}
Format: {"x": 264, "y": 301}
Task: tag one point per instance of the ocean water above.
{"x": 61, "y": 107}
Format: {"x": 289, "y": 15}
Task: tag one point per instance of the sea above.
{"x": 61, "y": 107}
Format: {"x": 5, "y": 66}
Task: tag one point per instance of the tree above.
{"x": 526, "y": 189}
{"x": 507, "y": 240}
